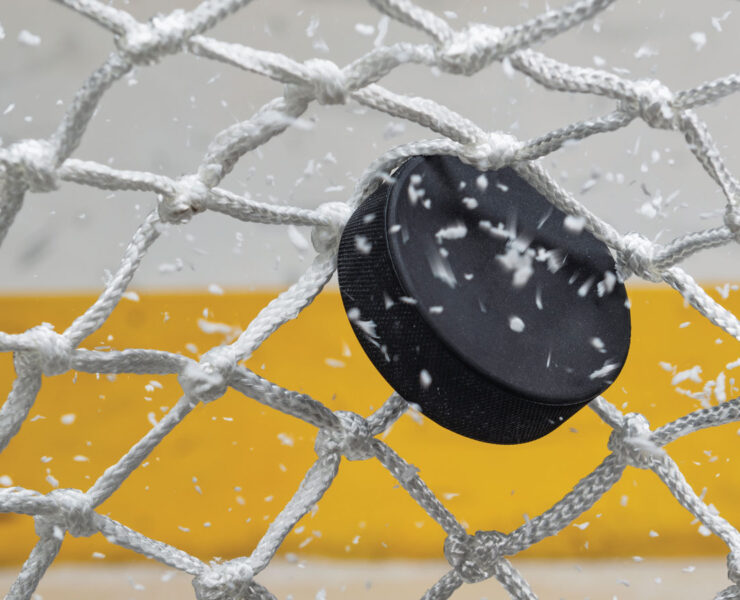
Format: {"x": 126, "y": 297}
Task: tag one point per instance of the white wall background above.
{"x": 161, "y": 119}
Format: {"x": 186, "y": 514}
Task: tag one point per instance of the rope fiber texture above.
{"x": 43, "y": 165}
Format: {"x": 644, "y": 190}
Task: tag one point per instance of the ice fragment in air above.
{"x": 425, "y": 379}
{"x": 716, "y": 21}
{"x": 516, "y": 324}
{"x": 585, "y": 287}
{"x": 285, "y": 439}
{"x": 699, "y": 38}
{"x": 574, "y": 223}
{"x": 27, "y": 38}
{"x": 519, "y": 262}
{"x": 606, "y": 285}
{"x": 608, "y": 367}
{"x": 598, "y": 343}
{"x": 645, "y": 51}
{"x": 719, "y": 388}
{"x": 215, "y": 327}
{"x": 482, "y": 182}
{"x": 382, "y": 30}
{"x": 692, "y": 374}
{"x": 172, "y": 267}
{"x": 367, "y": 327}
{"x": 441, "y": 268}
{"x": 455, "y": 231}
{"x": 364, "y": 29}
{"x": 297, "y": 238}
{"x": 393, "y": 129}
{"x": 313, "y": 25}
{"x": 508, "y": 68}
{"x": 362, "y": 244}
{"x": 725, "y": 289}
{"x": 415, "y": 193}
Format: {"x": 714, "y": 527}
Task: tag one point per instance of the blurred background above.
{"x": 215, "y": 483}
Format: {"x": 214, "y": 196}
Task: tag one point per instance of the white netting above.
{"x": 42, "y": 165}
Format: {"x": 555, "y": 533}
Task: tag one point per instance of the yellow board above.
{"x": 214, "y": 484}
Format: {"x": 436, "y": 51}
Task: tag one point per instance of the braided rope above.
{"x": 42, "y": 165}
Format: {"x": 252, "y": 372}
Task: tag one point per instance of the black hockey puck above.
{"x": 477, "y": 299}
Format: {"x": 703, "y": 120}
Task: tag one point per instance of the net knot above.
{"x": 474, "y": 557}
{"x": 492, "y": 151}
{"x": 633, "y": 443}
{"x": 189, "y": 198}
{"x": 325, "y": 237}
{"x": 224, "y": 581}
{"x": 635, "y": 256}
{"x": 72, "y": 510}
{"x": 146, "y": 43}
{"x": 733, "y": 567}
{"x": 324, "y": 81}
{"x": 208, "y": 379}
{"x": 653, "y": 102}
{"x": 732, "y": 221}
{"x": 52, "y": 350}
{"x": 353, "y": 438}
{"x": 34, "y": 162}
{"x": 467, "y": 51}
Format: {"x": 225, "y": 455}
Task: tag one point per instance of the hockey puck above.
{"x": 478, "y": 300}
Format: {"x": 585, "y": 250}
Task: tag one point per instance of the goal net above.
{"x": 43, "y": 165}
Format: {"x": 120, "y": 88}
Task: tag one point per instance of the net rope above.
{"x": 42, "y": 165}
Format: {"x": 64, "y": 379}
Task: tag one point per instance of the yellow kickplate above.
{"x": 215, "y": 483}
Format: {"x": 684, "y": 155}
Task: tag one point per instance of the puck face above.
{"x": 479, "y": 301}
{"x": 519, "y": 291}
